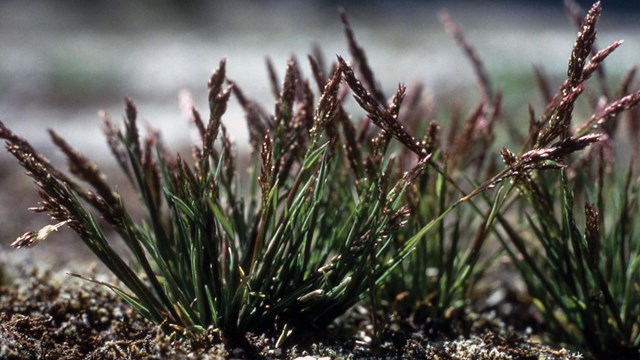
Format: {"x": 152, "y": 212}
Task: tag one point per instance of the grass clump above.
{"x": 583, "y": 278}
{"x": 204, "y": 256}
{"x": 334, "y": 213}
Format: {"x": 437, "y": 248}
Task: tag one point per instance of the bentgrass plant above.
{"x": 583, "y": 282}
{"x": 333, "y": 212}
{"x": 290, "y": 255}
{"x": 581, "y": 263}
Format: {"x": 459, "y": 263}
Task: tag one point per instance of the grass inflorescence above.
{"x": 392, "y": 211}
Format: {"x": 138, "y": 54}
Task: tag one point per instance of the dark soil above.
{"x": 46, "y": 316}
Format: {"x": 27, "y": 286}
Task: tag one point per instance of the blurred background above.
{"x": 62, "y": 61}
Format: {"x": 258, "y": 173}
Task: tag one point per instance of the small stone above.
{"x": 237, "y": 352}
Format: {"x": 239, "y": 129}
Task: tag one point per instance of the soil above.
{"x": 45, "y": 315}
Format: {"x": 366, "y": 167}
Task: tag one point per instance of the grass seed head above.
{"x": 593, "y": 234}
{"x": 32, "y": 238}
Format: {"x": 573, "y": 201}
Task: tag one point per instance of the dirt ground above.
{"x": 45, "y": 315}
